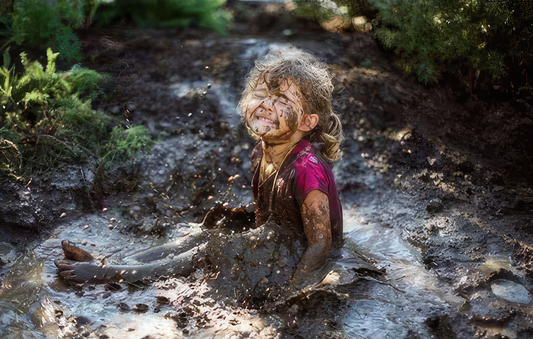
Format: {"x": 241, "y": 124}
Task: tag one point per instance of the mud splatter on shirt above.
{"x": 301, "y": 173}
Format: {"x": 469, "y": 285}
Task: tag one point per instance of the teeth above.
{"x": 265, "y": 119}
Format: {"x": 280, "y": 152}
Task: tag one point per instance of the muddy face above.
{"x": 274, "y": 112}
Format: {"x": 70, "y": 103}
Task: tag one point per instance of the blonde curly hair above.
{"x": 314, "y": 83}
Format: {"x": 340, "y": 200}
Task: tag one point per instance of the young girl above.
{"x": 286, "y": 106}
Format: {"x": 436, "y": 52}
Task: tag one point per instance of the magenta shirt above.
{"x": 301, "y": 172}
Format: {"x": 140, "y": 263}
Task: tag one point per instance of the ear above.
{"x": 309, "y": 121}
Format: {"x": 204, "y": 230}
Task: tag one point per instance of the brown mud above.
{"x": 446, "y": 172}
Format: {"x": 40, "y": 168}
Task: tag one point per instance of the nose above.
{"x": 268, "y": 104}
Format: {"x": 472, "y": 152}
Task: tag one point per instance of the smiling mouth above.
{"x": 265, "y": 120}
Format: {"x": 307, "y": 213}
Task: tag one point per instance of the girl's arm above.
{"x": 316, "y": 222}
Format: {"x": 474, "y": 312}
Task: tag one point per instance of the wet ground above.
{"x": 450, "y": 229}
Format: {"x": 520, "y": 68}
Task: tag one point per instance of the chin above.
{"x": 276, "y": 137}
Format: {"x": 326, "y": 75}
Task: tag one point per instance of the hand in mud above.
{"x": 86, "y": 272}
{"x": 74, "y": 253}
{"x": 304, "y": 278}
{"x": 301, "y": 279}
{"x": 220, "y": 216}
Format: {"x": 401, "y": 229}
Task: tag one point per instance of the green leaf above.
{"x": 51, "y": 66}
{"x": 7, "y": 59}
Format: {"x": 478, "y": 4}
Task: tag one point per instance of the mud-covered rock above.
{"x": 486, "y": 307}
{"x": 434, "y": 206}
{"x": 7, "y": 255}
{"x": 510, "y": 291}
{"x": 18, "y": 207}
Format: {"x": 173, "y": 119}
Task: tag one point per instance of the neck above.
{"x": 274, "y": 154}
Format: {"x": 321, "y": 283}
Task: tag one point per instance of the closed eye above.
{"x": 260, "y": 94}
{"x": 284, "y": 101}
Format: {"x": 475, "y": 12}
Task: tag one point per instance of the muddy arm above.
{"x": 180, "y": 245}
{"x": 316, "y": 221}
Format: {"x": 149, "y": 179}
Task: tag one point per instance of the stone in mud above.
{"x": 141, "y": 308}
{"x": 123, "y": 307}
{"x": 7, "y": 253}
{"x": 487, "y": 308}
{"x": 74, "y": 253}
{"x": 434, "y": 206}
{"x": 510, "y": 291}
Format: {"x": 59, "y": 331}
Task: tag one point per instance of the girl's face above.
{"x": 274, "y": 115}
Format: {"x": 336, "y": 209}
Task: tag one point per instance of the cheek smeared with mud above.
{"x": 251, "y": 123}
{"x": 291, "y": 118}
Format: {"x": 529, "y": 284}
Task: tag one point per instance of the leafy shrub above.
{"x": 355, "y": 7}
{"x": 314, "y": 10}
{"x": 430, "y": 34}
{"x": 52, "y": 23}
{"x": 167, "y": 13}
{"x": 49, "y": 24}
{"x": 45, "y": 123}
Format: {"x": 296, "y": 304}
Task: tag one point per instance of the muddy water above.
{"x": 414, "y": 294}
{"x": 38, "y": 304}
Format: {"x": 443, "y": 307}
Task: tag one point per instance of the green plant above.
{"x": 167, "y": 13}
{"x": 48, "y": 121}
{"x": 49, "y": 24}
{"x": 355, "y": 7}
{"x": 430, "y": 35}
{"x": 313, "y": 10}
{"x": 27, "y": 99}
{"x": 53, "y": 23}
{"x": 367, "y": 63}
{"x": 10, "y": 160}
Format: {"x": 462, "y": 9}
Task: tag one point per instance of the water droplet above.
{"x": 190, "y": 114}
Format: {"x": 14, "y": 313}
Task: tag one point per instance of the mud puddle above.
{"x": 39, "y": 304}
